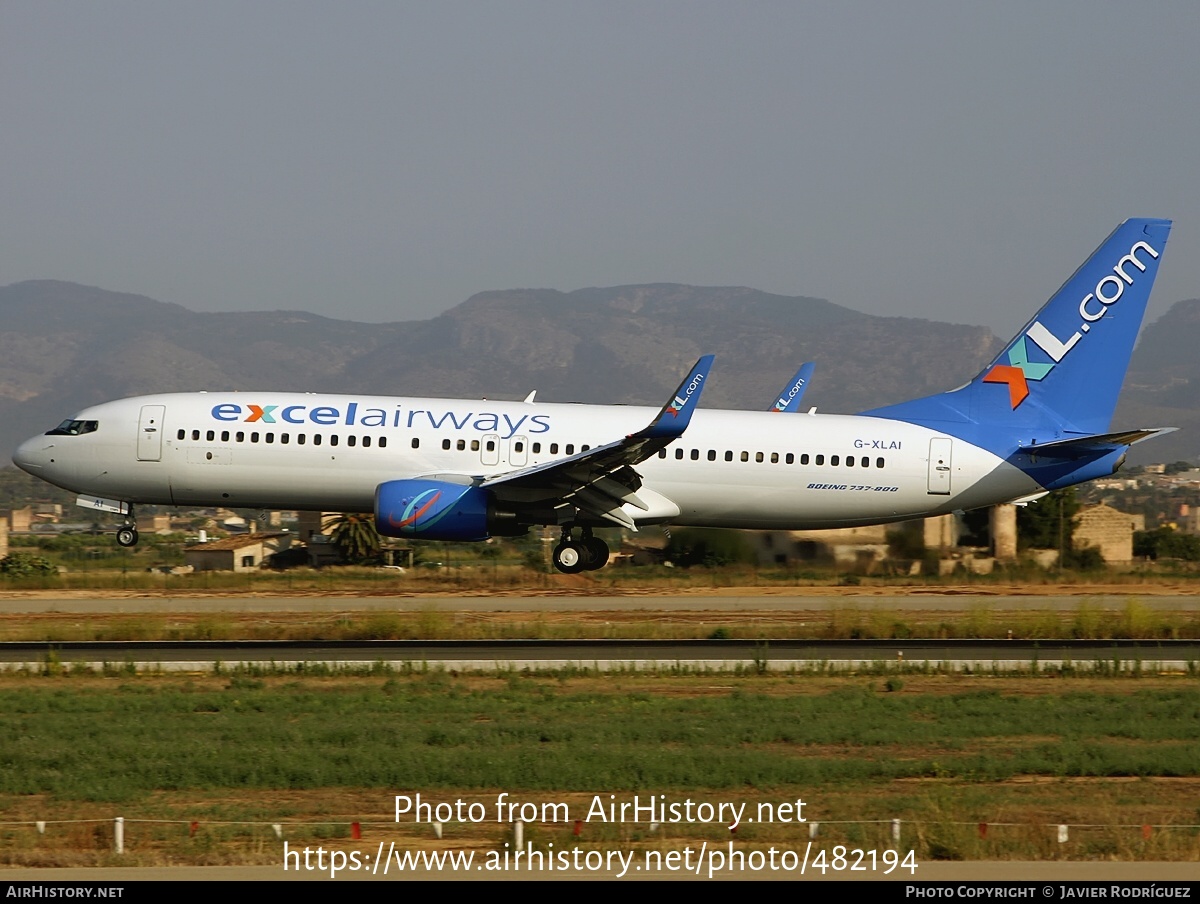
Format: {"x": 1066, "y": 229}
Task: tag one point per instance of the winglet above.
{"x": 789, "y": 399}
{"x": 674, "y": 417}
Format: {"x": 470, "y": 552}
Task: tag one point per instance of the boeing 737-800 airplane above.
{"x": 1035, "y": 420}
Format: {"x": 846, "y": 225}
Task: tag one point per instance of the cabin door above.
{"x": 149, "y": 445}
{"x": 939, "y": 466}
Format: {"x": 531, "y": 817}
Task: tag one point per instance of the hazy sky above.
{"x": 386, "y": 160}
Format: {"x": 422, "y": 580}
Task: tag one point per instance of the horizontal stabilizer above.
{"x": 1083, "y": 446}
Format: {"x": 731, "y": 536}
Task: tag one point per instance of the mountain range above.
{"x": 64, "y": 346}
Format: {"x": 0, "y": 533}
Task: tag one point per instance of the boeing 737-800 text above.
{"x": 1034, "y": 420}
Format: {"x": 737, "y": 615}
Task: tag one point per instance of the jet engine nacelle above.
{"x": 433, "y": 510}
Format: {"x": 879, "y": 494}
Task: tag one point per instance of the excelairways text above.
{"x": 353, "y": 415}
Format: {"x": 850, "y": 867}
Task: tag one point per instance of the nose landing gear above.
{"x": 587, "y": 553}
{"x": 127, "y": 534}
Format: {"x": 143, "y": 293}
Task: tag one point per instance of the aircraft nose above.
{"x": 32, "y": 455}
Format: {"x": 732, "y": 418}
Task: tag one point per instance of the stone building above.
{"x": 846, "y": 547}
{"x": 1108, "y": 530}
{"x": 242, "y": 553}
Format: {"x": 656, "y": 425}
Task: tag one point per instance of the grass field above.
{"x": 845, "y": 619}
{"x": 204, "y": 767}
{"x": 943, "y": 754}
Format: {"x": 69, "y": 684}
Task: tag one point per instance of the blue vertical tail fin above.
{"x": 1061, "y": 375}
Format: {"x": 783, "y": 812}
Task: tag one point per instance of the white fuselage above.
{"x": 322, "y": 452}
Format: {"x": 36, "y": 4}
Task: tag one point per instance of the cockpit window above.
{"x": 73, "y": 428}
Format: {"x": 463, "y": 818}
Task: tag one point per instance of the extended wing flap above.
{"x": 601, "y": 506}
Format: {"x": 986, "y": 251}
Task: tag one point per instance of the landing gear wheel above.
{"x": 570, "y": 557}
{"x": 597, "y": 551}
{"x": 127, "y": 536}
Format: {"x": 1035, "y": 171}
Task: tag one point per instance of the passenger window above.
{"x": 491, "y": 445}
{"x": 519, "y": 447}
{"x": 695, "y": 455}
{"x": 537, "y": 447}
{"x": 728, "y": 455}
{"x": 662, "y": 453}
{"x": 474, "y": 445}
{"x": 834, "y": 459}
{"x": 241, "y": 437}
{"x": 461, "y": 445}
{"x": 570, "y": 450}
{"x": 317, "y": 439}
{"x": 584, "y": 448}
{"x": 383, "y": 442}
{"x": 351, "y": 440}
{"x": 253, "y": 437}
{"x": 745, "y": 456}
{"x": 803, "y": 458}
{"x": 224, "y": 436}
{"x": 879, "y": 462}
{"x": 758, "y": 457}
{"x": 333, "y": 440}
{"x": 790, "y": 459}
{"x": 210, "y": 436}
{"x": 712, "y": 454}
{"x": 180, "y": 435}
{"x": 195, "y": 434}
{"x": 554, "y": 448}
{"x": 416, "y": 443}
{"x": 820, "y": 460}
{"x": 774, "y": 458}
{"x": 285, "y": 438}
{"x": 366, "y": 442}
{"x": 446, "y": 444}
{"x": 270, "y": 437}
{"x": 866, "y": 462}
{"x": 849, "y": 461}
{"x": 679, "y": 454}
{"x": 300, "y": 438}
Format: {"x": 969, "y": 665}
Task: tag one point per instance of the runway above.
{"x": 773, "y": 601}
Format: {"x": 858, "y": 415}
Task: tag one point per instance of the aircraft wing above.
{"x": 602, "y": 479}
{"x": 1082, "y": 446}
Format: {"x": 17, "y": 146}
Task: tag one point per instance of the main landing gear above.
{"x": 127, "y": 534}
{"x": 588, "y": 553}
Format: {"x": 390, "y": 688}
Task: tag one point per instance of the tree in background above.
{"x": 25, "y": 565}
{"x": 1166, "y": 543}
{"x": 355, "y": 537}
{"x": 1049, "y": 523}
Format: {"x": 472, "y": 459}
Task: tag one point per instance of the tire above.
{"x": 597, "y": 551}
{"x": 570, "y": 557}
{"x": 127, "y": 536}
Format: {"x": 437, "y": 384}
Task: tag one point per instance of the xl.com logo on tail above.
{"x": 1019, "y": 370}
{"x": 679, "y": 403}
